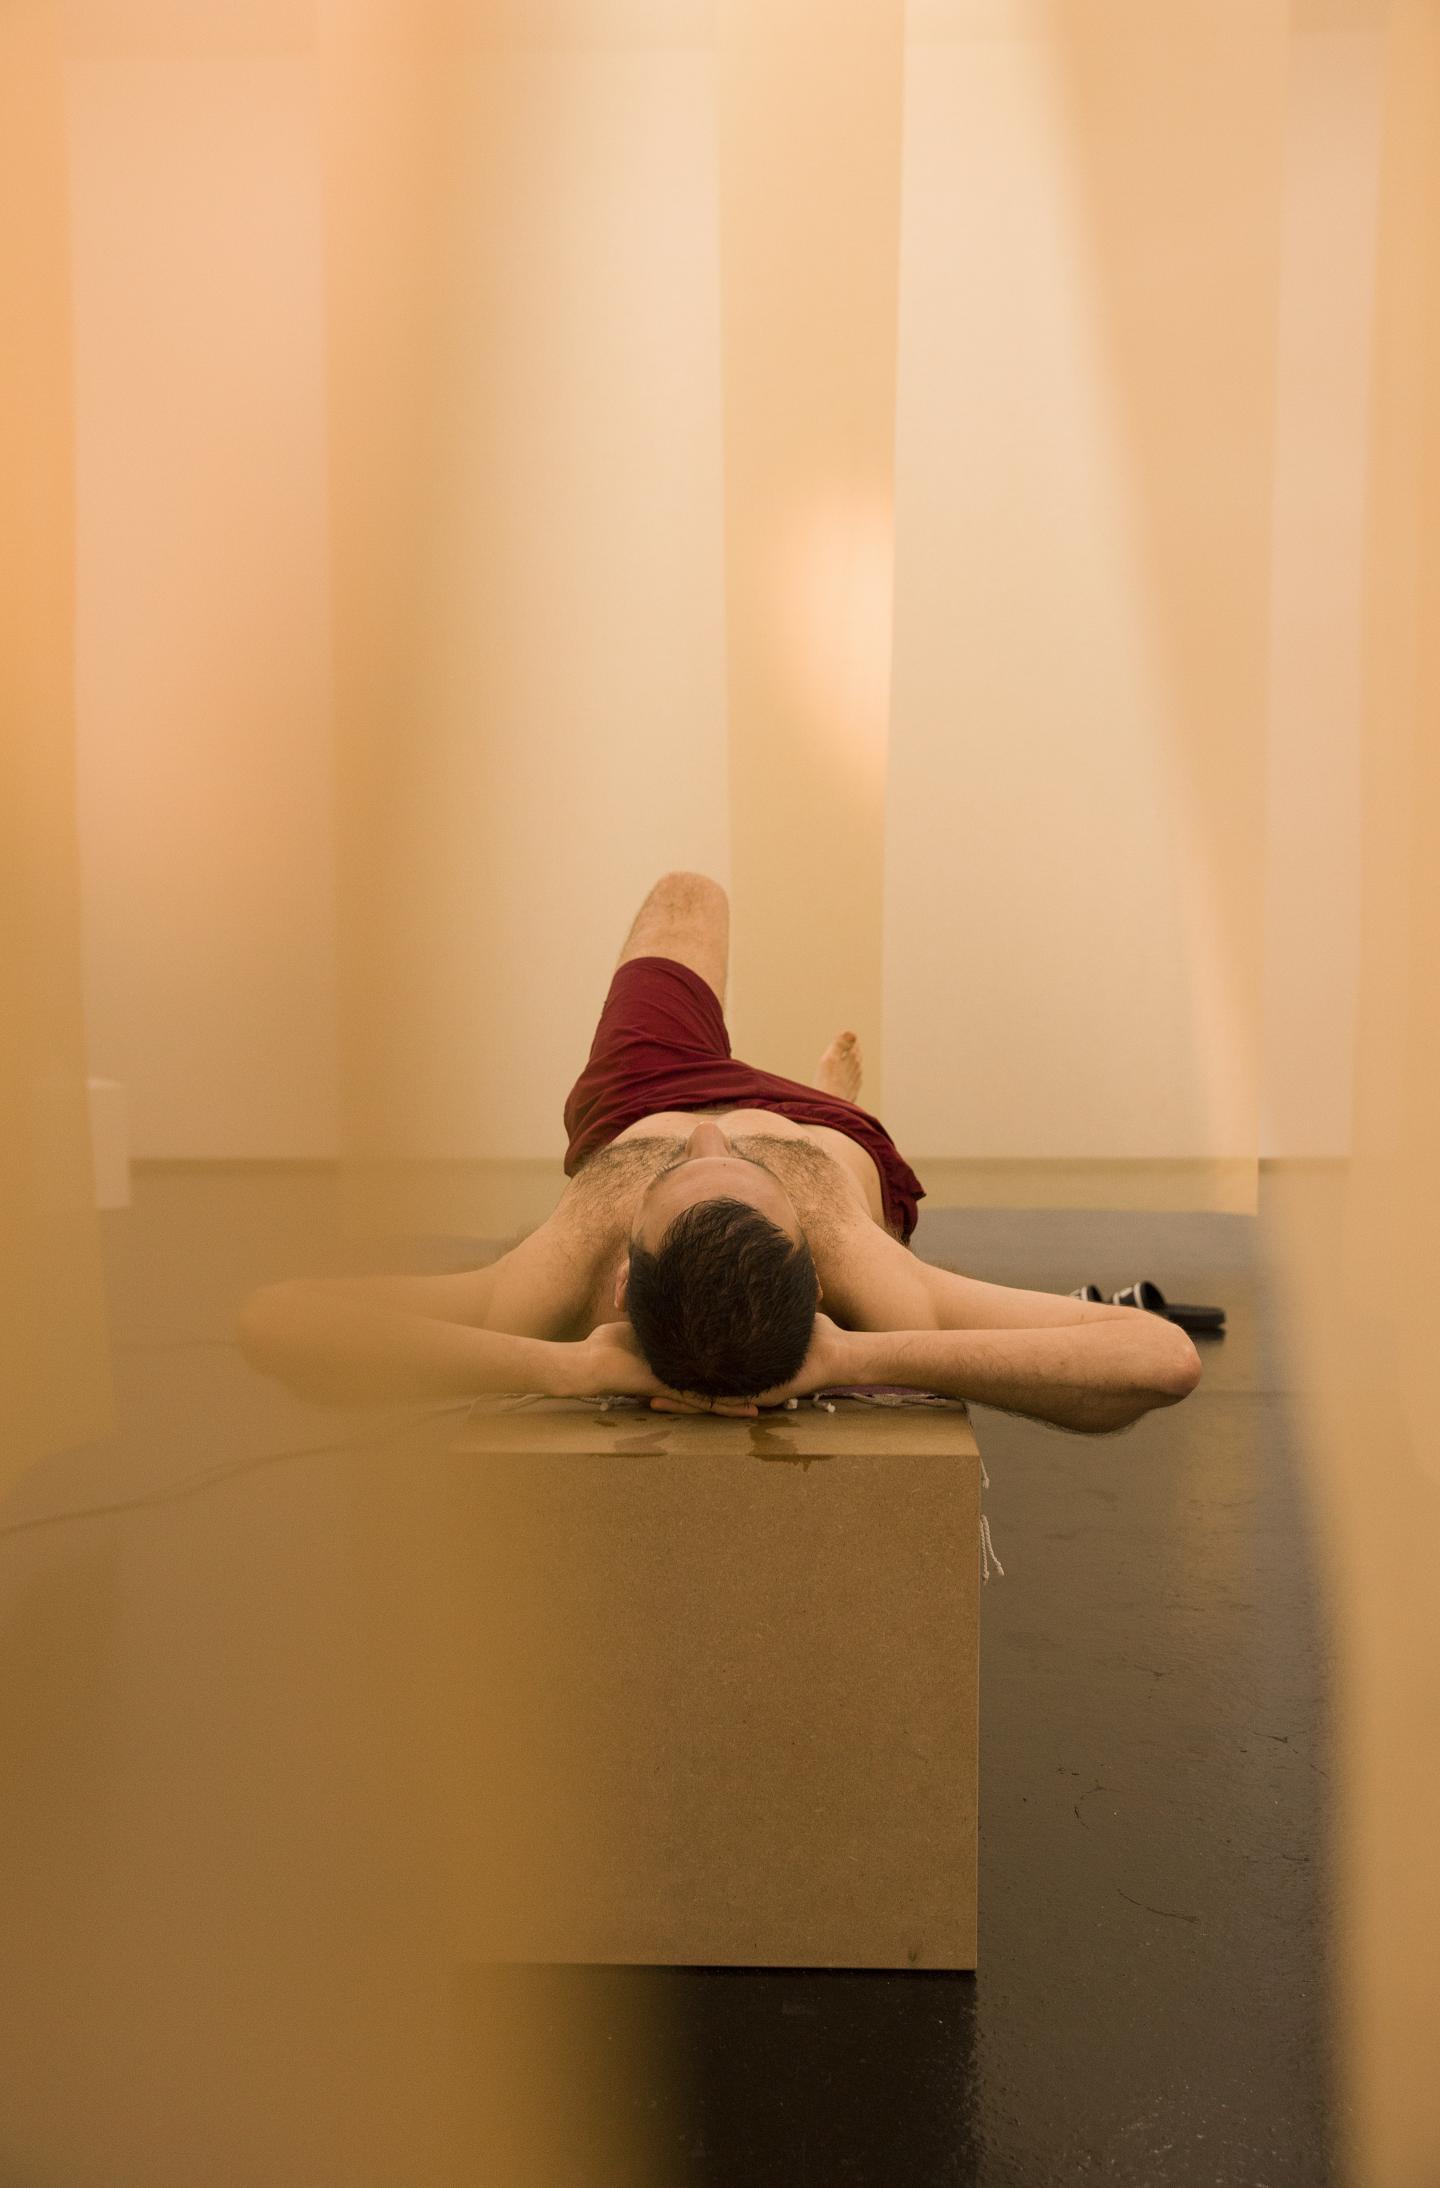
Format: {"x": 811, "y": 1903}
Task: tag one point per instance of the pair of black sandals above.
{"x": 1199, "y": 1321}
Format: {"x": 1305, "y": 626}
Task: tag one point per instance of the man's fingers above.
{"x": 729, "y": 1408}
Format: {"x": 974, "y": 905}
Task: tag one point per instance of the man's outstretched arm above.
{"x": 343, "y": 1344}
{"x": 505, "y": 1327}
{"x": 1068, "y": 1361}
{"x": 1086, "y": 1376}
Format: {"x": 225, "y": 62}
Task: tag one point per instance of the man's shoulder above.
{"x": 548, "y": 1282}
{"x": 870, "y": 1281}
{"x": 572, "y": 1256}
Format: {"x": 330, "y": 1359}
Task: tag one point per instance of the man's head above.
{"x": 719, "y": 1286}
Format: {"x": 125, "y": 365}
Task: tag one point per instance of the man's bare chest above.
{"x": 853, "y": 1161}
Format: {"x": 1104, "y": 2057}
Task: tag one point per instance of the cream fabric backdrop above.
{"x": 1085, "y": 429}
{"x": 809, "y": 99}
{"x": 205, "y": 750}
{"x": 527, "y": 536}
{"x": 654, "y": 569}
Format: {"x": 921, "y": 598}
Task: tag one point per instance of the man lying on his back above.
{"x": 710, "y": 1208}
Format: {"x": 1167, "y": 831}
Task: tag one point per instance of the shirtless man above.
{"x": 710, "y": 1208}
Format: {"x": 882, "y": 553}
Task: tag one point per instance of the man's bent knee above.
{"x": 686, "y": 889}
{"x": 686, "y": 916}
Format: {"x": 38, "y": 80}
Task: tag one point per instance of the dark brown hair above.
{"x": 726, "y": 1304}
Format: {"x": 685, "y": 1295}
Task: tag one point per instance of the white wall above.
{"x": 574, "y": 741}
{"x": 1055, "y": 979}
{"x": 1034, "y": 914}
{"x": 205, "y": 775}
{"x": 577, "y": 746}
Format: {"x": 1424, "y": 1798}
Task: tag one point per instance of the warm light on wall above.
{"x": 836, "y": 598}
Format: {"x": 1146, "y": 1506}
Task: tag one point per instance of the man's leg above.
{"x": 687, "y": 917}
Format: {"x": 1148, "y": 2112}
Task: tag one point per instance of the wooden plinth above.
{"x": 742, "y": 1658}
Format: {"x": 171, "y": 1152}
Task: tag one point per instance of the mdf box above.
{"x": 726, "y": 1676}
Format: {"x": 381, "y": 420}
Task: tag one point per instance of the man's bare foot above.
{"x": 838, "y": 1071}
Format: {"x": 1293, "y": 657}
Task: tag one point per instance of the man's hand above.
{"x": 829, "y": 1360}
{"x": 608, "y": 1363}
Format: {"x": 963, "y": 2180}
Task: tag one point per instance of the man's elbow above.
{"x": 1177, "y": 1368}
{"x": 265, "y": 1331}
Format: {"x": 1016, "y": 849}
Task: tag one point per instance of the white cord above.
{"x": 987, "y": 1551}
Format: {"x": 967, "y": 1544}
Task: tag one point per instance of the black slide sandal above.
{"x": 1199, "y": 1321}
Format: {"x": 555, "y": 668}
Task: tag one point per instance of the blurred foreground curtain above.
{"x": 54, "y": 1383}
{"x": 1359, "y": 1239}
{"x": 454, "y": 137}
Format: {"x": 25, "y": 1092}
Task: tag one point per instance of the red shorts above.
{"x": 662, "y": 1044}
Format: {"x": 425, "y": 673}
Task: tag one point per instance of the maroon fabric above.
{"x": 662, "y": 1044}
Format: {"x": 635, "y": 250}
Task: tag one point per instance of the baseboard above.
{"x": 499, "y": 1198}
{"x": 1219, "y": 1186}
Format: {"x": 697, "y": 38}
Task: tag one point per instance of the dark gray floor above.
{"x": 1151, "y": 2004}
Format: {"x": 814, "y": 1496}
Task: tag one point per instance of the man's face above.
{"x": 709, "y": 1169}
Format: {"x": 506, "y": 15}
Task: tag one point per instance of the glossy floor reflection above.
{"x": 230, "y": 1917}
